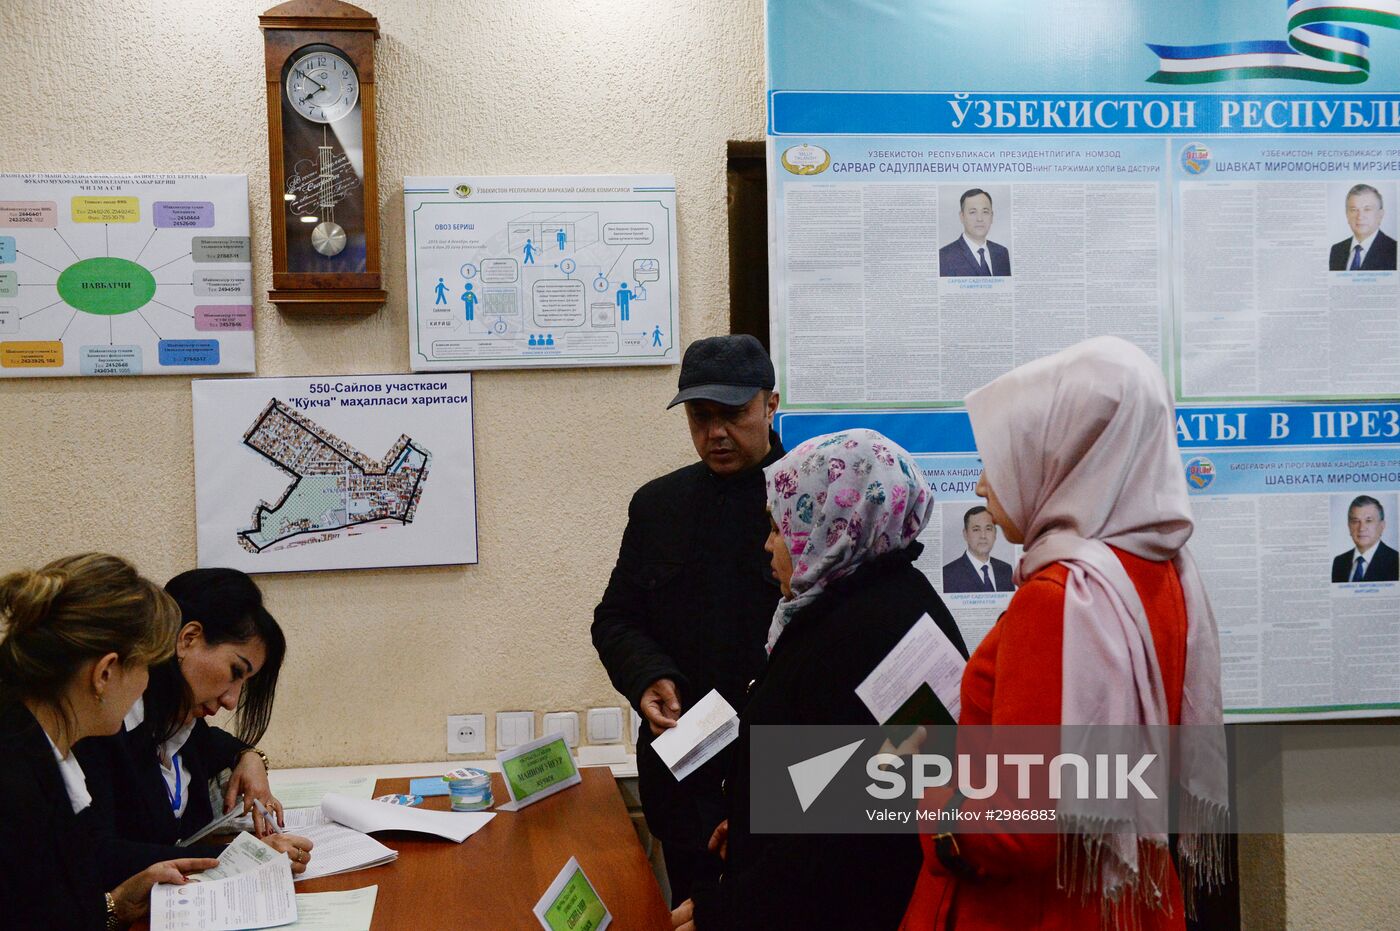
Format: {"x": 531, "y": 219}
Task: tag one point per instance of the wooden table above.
{"x": 492, "y": 880}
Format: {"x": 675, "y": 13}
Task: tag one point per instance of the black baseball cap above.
{"x": 728, "y": 370}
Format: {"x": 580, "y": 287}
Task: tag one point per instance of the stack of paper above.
{"x": 352, "y": 910}
{"x": 376, "y": 816}
{"x": 337, "y": 849}
{"x": 238, "y": 896}
{"x": 707, "y": 728}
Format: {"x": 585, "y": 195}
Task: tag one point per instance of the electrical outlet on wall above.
{"x": 466, "y": 733}
{"x": 514, "y": 728}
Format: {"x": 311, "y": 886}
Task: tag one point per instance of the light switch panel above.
{"x": 604, "y": 725}
{"x": 563, "y": 722}
{"x": 514, "y": 728}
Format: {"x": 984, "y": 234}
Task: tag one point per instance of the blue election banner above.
{"x": 1264, "y": 427}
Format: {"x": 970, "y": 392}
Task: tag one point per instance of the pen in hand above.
{"x": 270, "y": 821}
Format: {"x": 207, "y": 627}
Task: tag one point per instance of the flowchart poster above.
{"x": 335, "y": 472}
{"x": 541, "y": 272}
{"x": 124, "y": 275}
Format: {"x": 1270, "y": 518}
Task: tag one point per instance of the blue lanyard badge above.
{"x": 176, "y": 797}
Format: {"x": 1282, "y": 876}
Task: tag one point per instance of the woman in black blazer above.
{"x": 846, "y": 509}
{"x": 153, "y": 780}
{"x": 79, "y": 636}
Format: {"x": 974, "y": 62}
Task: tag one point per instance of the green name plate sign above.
{"x": 571, "y": 903}
{"x": 537, "y": 770}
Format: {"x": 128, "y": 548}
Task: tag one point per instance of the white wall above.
{"x": 378, "y": 659}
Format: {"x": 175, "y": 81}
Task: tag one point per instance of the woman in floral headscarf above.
{"x": 846, "y": 509}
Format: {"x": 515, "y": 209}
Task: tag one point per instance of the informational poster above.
{"x": 1283, "y": 497}
{"x": 883, "y": 302}
{"x": 335, "y": 472}
{"x": 1268, "y": 304}
{"x": 954, "y": 192}
{"x": 541, "y": 271}
{"x": 124, "y": 275}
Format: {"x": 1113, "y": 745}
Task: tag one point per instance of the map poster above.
{"x": 124, "y": 275}
{"x": 541, "y": 272}
{"x": 334, "y": 472}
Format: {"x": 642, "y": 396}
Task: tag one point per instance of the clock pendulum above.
{"x": 327, "y": 237}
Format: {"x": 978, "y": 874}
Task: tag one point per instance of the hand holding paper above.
{"x": 919, "y": 682}
{"x": 704, "y": 730}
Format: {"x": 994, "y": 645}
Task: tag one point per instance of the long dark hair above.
{"x": 229, "y": 606}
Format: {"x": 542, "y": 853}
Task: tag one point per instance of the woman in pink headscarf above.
{"x": 1109, "y": 625}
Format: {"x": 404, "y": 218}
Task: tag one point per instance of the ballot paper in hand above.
{"x": 707, "y": 728}
{"x": 919, "y": 682}
{"x": 258, "y": 898}
{"x": 370, "y": 816}
{"x": 244, "y": 855}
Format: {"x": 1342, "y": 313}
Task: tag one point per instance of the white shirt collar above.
{"x": 1366, "y": 555}
{"x": 974, "y": 247}
{"x": 136, "y": 715}
{"x": 176, "y": 742}
{"x": 1365, "y": 244}
{"x": 977, "y": 563}
{"x": 74, "y": 781}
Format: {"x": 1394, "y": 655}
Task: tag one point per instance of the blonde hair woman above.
{"x": 79, "y": 635}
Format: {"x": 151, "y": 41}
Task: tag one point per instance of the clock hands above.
{"x": 319, "y": 86}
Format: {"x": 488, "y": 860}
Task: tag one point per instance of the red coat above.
{"x": 1014, "y": 677}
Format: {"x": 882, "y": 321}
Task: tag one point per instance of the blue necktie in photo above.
{"x": 987, "y": 585}
{"x": 1356, "y": 575}
{"x": 1355, "y": 260}
{"x": 982, "y": 263}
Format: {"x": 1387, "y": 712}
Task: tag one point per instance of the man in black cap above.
{"x": 689, "y": 603}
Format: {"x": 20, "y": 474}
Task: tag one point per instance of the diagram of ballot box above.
{"x": 566, "y": 232}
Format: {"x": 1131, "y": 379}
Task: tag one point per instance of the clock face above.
{"x": 323, "y": 162}
{"x": 322, "y": 85}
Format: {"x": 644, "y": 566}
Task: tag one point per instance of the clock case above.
{"x": 287, "y": 29}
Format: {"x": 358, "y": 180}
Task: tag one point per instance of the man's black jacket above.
{"x": 690, "y": 599}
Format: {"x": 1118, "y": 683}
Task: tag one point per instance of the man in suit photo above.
{"x": 1368, "y": 249}
{"x": 973, "y": 253}
{"x": 977, "y": 570}
{"x": 1370, "y": 560}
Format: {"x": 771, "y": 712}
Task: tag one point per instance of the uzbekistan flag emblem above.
{"x": 1318, "y": 48}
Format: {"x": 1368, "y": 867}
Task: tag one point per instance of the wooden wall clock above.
{"x": 319, "y": 58}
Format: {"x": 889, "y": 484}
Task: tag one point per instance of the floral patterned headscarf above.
{"x": 839, "y": 501}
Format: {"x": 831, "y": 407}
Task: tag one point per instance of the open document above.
{"x": 340, "y": 849}
{"x": 376, "y": 816}
{"x": 262, "y": 897}
{"x": 707, "y": 728}
{"x": 919, "y": 682}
